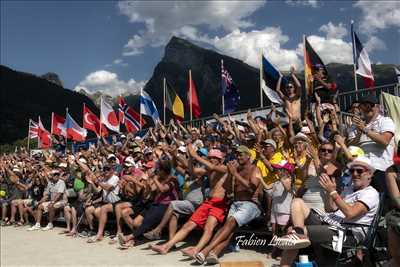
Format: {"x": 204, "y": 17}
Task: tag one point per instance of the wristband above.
{"x": 333, "y": 192}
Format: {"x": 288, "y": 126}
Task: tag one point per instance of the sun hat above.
{"x": 129, "y": 162}
{"x": 300, "y": 136}
{"x": 243, "y": 149}
{"x": 361, "y": 161}
{"x": 269, "y": 142}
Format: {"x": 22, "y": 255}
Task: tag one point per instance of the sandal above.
{"x": 127, "y": 245}
{"x": 71, "y": 234}
{"x": 93, "y": 240}
{"x": 18, "y": 224}
{"x": 152, "y": 235}
{"x": 199, "y": 257}
{"x": 63, "y": 232}
{"x": 212, "y": 258}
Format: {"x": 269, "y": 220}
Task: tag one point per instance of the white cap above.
{"x": 83, "y": 160}
{"x": 111, "y": 156}
{"x": 123, "y": 136}
{"x": 305, "y": 130}
{"x": 182, "y": 149}
{"x": 62, "y": 165}
{"x": 362, "y": 161}
{"x": 241, "y": 128}
{"x": 129, "y": 162}
{"x": 138, "y": 138}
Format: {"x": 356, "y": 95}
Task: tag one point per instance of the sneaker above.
{"x": 152, "y": 235}
{"x": 48, "y": 227}
{"x": 290, "y": 241}
{"x": 34, "y": 227}
{"x": 83, "y": 234}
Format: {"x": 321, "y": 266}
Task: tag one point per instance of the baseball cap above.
{"x": 241, "y": 149}
{"x": 129, "y": 162}
{"x": 269, "y": 142}
{"x": 110, "y": 156}
{"x": 216, "y": 153}
{"x": 369, "y": 99}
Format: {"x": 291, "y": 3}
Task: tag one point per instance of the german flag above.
{"x": 311, "y": 64}
{"x": 173, "y": 102}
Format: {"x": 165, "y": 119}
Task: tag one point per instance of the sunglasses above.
{"x": 326, "y": 150}
{"x": 357, "y": 170}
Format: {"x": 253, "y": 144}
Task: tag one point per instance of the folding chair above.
{"x": 372, "y": 253}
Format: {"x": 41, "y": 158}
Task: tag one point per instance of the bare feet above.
{"x": 162, "y": 249}
{"x": 189, "y": 252}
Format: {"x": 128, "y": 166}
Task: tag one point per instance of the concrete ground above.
{"x": 20, "y": 247}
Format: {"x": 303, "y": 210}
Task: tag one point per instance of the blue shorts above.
{"x": 244, "y": 212}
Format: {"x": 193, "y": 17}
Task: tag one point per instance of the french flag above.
{"x": 361, "y": 60}
{"x": 74, "y": 131}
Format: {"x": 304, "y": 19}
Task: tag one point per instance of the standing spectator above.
{"x": 376, "y": 138}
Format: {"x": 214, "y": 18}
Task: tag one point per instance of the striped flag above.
{"x": 361, "y": 60}
{"x": 128, "y": 116}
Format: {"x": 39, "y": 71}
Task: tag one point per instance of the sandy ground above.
{"x": 20, "y": 247}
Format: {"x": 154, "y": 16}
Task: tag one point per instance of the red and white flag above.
{"x": 361, "y": 60}
{"x": 57, "y": 125}
{"x": 128, "y": 116}
{"x": 108, "y": 117}
{"x": 192, "y": 99}
{"x": 92, "y": 122}
{"x": 44, "y": 136}
{"x": 33, "y": 129}
{"x": 74, "y": 131}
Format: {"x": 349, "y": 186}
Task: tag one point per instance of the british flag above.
{"x": 229, "y": 91}
{"x": 128, "y": 116}
{"x": 33, "y": 129}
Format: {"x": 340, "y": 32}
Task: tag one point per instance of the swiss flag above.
{"x": 92, "y": 122}
{"x": 192, "y": 99}
{"x": 108, "y": 117}
{"x": 44, "y": 136}
{"x": 57, "y": 124}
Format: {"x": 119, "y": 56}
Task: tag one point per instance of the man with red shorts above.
{"x": 211, "y": 212}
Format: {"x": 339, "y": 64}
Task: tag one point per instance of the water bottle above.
{"x": 304, "y": 262}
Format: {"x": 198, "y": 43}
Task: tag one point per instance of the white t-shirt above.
{"x": 112, "y": 195}
{"x": 370, "y": 198}
{"x": 58, "y": 187}
{"x": 381, "y": 156}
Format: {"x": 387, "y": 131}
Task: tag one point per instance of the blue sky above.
{"x": 114, "y": 46}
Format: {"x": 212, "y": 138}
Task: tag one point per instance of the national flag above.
{"x": 192, "y": 99}
{"x": 147, "y": 107}
{"x": 361, "y": 60}
{"x": 128, "y": 116}
{"x": 312, "y": 62}
{"x": 108, "y": 117}
{"x": 57, "y": 124}
{"x": 44, "y": 137}
{"x": 33, "y": 129}
{"x": 74, "y": 131}
{"x": 270, "y": 77}
{"x": 397, "y": 71}
{"x": 92, "y": 122}
{"x": 229, "y": 90}
{"x": 174, "y": 102}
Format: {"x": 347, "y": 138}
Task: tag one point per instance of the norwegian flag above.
{"x": 229, "y": 91}
{"x": 33, "y": 129}
{"x": 128, "y": 116}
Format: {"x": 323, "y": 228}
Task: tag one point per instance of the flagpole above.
{"x": 140, "y": 108}
{"x": 223, "y": 93}
{"x": 52, "y": 117}
{"x": 305, "y": 73}
{"x": 354, "y": 58}
{"x": 164, "y": 98}
{"x": 29, "y": 135}
{"x": 261, "y": 90}
{"x": 190, "y": 95}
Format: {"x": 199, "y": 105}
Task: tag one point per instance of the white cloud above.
{"x": 377, "y": 15}
{"x": 247, "y": 46}
{"x": 312, "y": 3}
{"x": 330, "y": 49}
{"x": 108, "y": 83}
{"x": 333, "y": 31}
{"x": 374, "y": 43}
{"x": 120, "y": 62}
{"x": 163, "y": 18}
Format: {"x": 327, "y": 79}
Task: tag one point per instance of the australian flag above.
{"x": 229, "y": 91}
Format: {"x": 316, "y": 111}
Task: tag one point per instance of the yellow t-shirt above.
{"x": 268, "y": 176}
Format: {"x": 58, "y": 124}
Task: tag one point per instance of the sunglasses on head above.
{"x": 325, "y": 150}
{"x": 357, "y": 170}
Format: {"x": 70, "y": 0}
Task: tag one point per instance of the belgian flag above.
{"x": 173, "y": 102}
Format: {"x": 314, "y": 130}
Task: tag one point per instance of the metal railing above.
{"x": 345, "y": 99}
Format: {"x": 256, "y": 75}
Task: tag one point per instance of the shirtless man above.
{"x": 246, "y": 183}
{"x": 291, "y": 96}
{"x": 211, "y": 212}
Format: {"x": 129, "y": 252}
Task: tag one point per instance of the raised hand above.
{"x": 327, "y": 183}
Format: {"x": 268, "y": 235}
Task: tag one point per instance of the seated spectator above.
{"x": 53, "y": 199}
{"x": 311, "y": 226}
